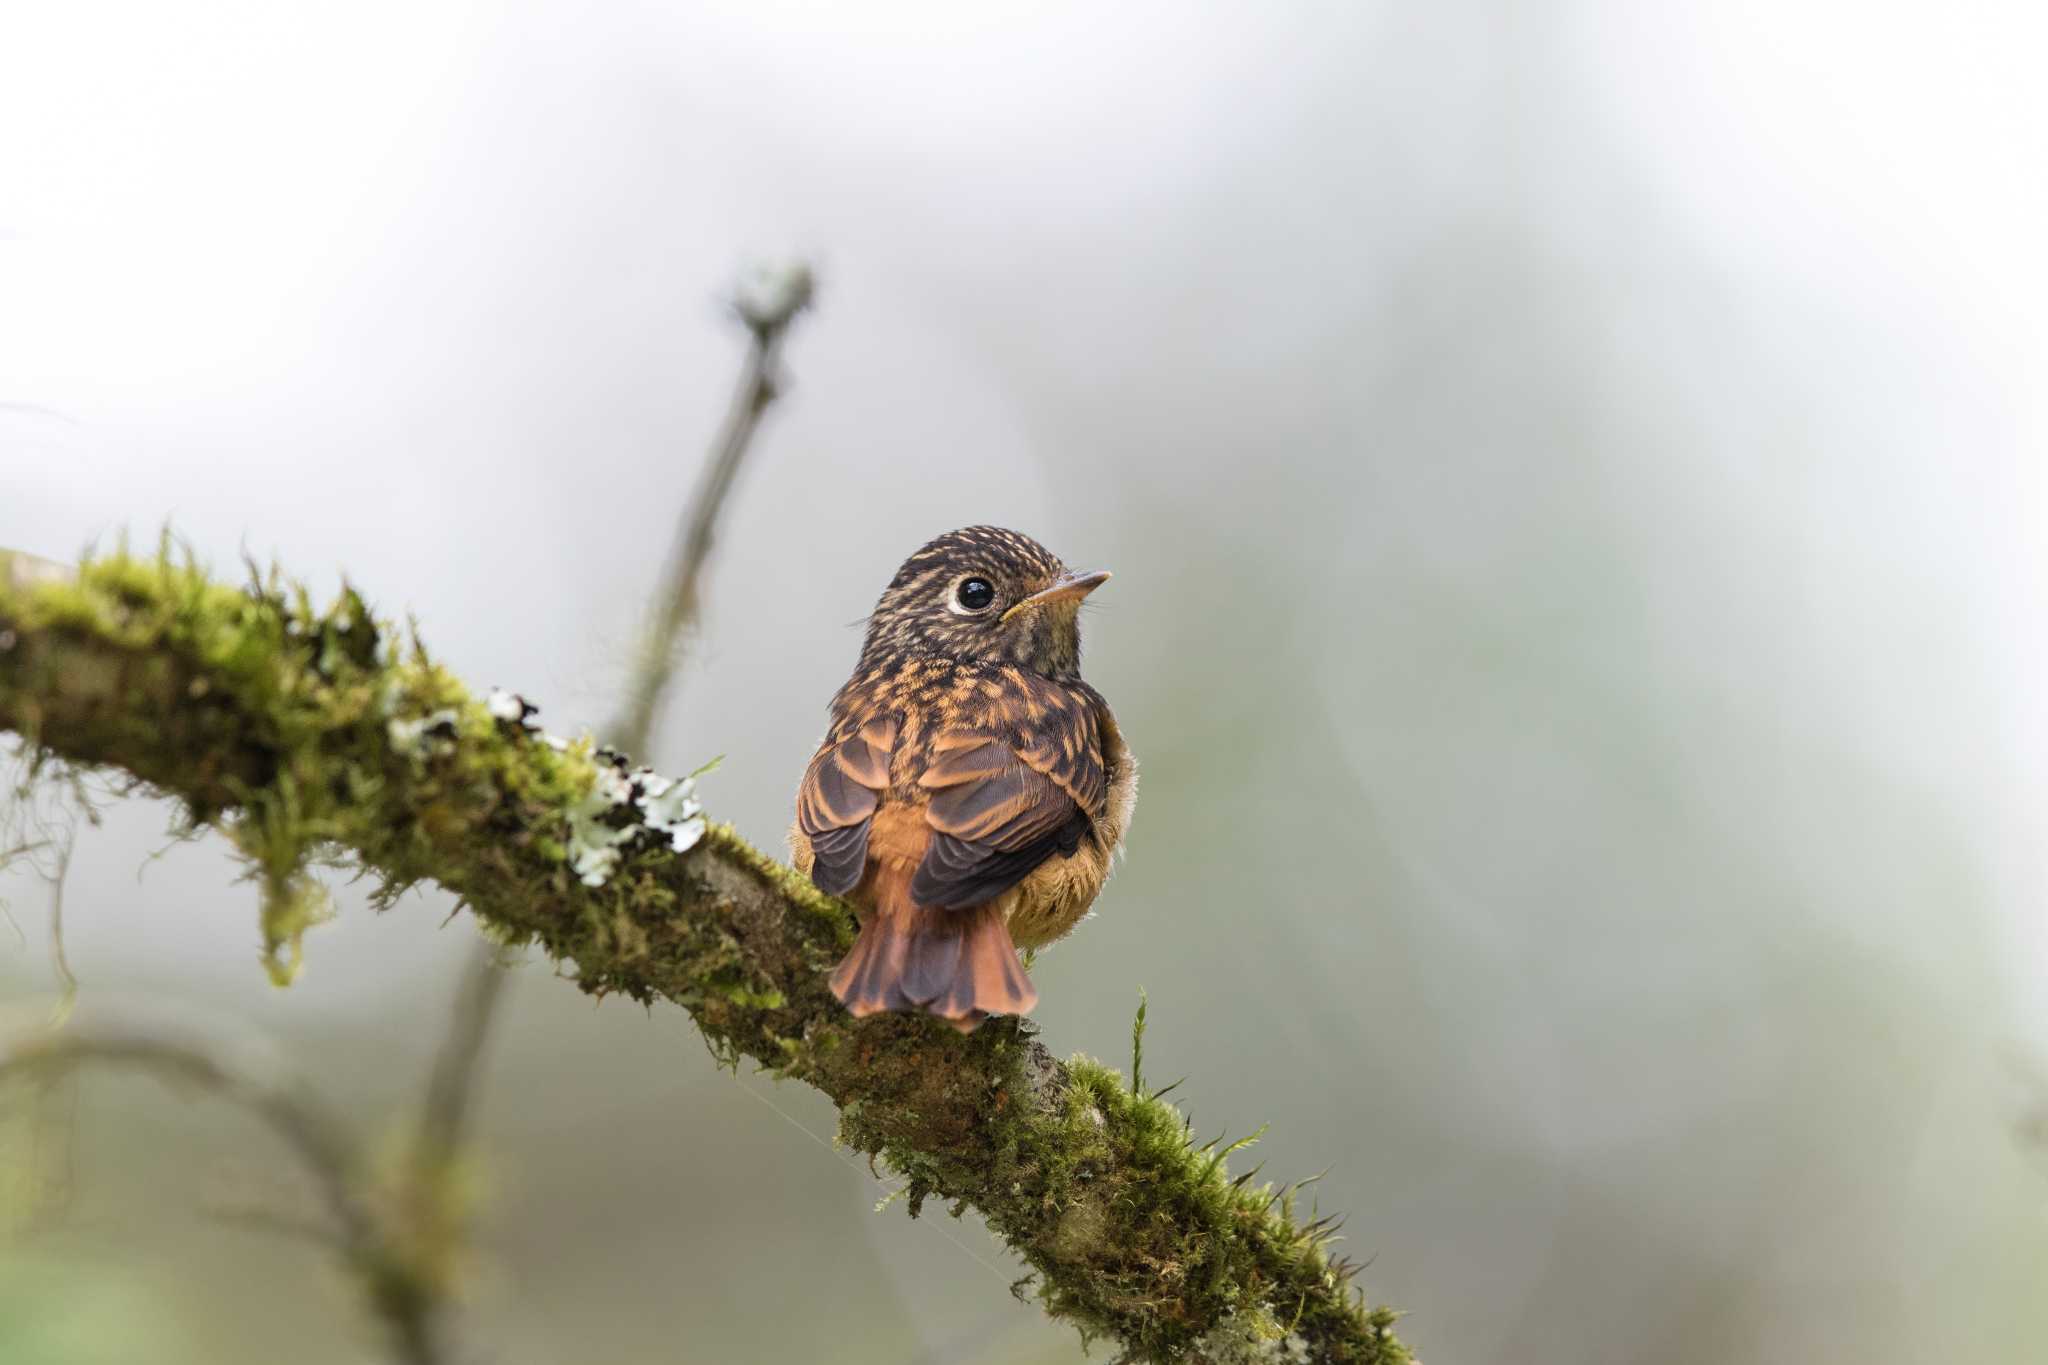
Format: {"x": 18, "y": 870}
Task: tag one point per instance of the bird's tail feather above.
{"x": 958, "y": 964}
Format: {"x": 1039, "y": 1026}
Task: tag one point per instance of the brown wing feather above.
{"x": 987, "y": 795}
{"x": 1068, "y": 751}
{"x": 1003, "y": 803}
{"x": 837, "y": 799}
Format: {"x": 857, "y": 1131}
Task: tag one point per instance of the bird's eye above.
{"x": 975, "y": 594}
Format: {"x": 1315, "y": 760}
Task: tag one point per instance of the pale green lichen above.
{"x": 624, "y": 806}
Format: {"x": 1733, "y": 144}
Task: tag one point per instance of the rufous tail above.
{"x": 957, "y": 964}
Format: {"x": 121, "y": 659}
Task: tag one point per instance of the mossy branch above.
{"x": 301, "y": 732}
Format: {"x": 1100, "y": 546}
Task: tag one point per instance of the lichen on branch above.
{"x": 306, "y": 732}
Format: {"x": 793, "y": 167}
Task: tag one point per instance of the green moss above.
{"x": 1173, "y": 1247}
{"x": 1135, "y": 1230}
{"x": 314, "y": 698}
{"x": 291, "y": 905}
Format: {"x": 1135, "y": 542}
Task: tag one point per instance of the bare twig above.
{"x": 284, "y": 1105}
{"x": 429, "y": 1225}
{"x": 320, "y": 1141}
{"x": 445, "y": 1115}
{"x": 768, "y": 306}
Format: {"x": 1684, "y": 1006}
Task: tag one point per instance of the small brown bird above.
{"x": 972, "y": 788}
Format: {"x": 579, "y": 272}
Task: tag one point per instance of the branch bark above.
{"x": 300, "y": 730}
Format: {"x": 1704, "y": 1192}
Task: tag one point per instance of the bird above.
{"x": 971, "y": 791}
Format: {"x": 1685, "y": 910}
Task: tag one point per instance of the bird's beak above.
{"x": 1067, "y": 588}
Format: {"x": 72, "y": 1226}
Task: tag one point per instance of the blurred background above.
{"x": 1574, "y": 478}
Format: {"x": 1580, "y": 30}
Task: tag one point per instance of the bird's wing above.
{"x": 1002, "y": 803}
{"x": 837, "y": 799}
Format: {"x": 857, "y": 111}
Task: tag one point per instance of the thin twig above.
{"x": 416, "y": 1299}
{"x": 292, "y": 1111}
{"x": 767, "y": 308}
{"x": 314, "y": 1136}
{"x": 450, "y": 1089}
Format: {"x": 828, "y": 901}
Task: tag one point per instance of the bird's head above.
{"x": 985, "y": 595}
